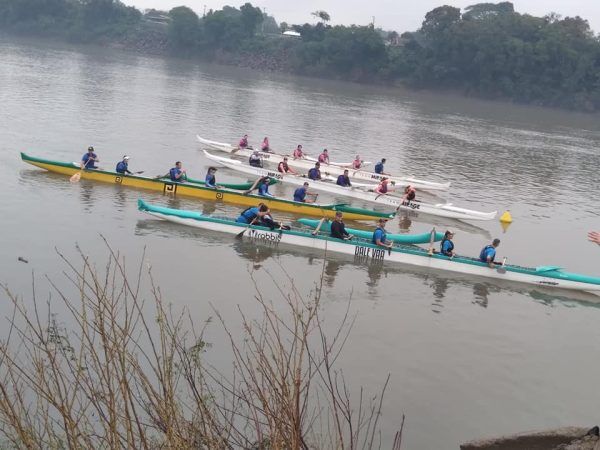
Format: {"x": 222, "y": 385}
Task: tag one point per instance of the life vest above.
{"x": 243, "y": 143}
{"x": 483, "y": 254}
{"x": 300, "y": 194}
{"x": 210, "y": 180}
{"x": 314, "y": 174}
{"x": 255, "y": 161}
{"x": 382, "y": 239}
{"x": 449, "y": 249}
{"x": 121, "y": 167}
{"x": 249, "y": 215}
{"x": 324, "y": 158}
{"x": 173, "y": 174}
{"x": 379, "y": 167}
{"x": 356, "y": 164}
{"x": 298, "y": 153}
{"x": 382, "y": 188}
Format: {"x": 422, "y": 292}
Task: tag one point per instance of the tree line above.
{"x": 488, "y": 50}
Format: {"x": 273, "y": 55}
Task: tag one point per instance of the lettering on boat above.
{"x": 275, "y": 175}
{"x": 411, "y": 205}
{"x": 548, "y": 283}
{"x": 369, "y": 253}
{"x": 265, "y": 236}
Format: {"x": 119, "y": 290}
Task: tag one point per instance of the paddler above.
{"x": 379, "y": 236}
{"x": 123, "y": 166}
{"x": 265, "y": 145}
{"x": 324, "y": 157}
{"x": 379, "y": 167}
{"x": 210, "y": 180}
{"x": 89, "y": 159}
{"x": 357, "y": 163}
{"x": 298, "y": 153}
{"x": 175, "y": 174}
{"x": 255, "y": 160}
{"x": 267, "y": 220}
{"x": 344, "y": 180}
{"x": 409, "y": 193}
{"x": 488, "y": 253}
{"x": 283, "y": 166}
{"x": 263, "y": 187}
{"x": 338, "y": 228}
{"x": 301, "y": 193}
{"x": 447, "y": 246}
{"x": 243, "y": 142}
{"x": 382, "y": 187}
{"x": 315, "y": 172}
{"x": 253, "y": 214}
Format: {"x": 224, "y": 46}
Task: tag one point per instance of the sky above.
{"x": 399, "y": 15}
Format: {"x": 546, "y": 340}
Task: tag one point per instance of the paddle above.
{"x": 240, "y": 234}
{"x": 431, "y": 240}
{"x": 502, "y": 269}
{"x": 76, "y": 177}
{"x": 314, "y": 233}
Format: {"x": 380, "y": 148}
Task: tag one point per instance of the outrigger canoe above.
{"x": 333, "y": 169}
{"x": 202, "y": 192}
{"x": 359, "y": 193}
{"x": 363, "y": 250}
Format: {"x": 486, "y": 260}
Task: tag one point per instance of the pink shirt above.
{"x": 356, "y": 164}
{"x": 298, "y": 153}
{"x": 243, "y": 143}
{"x": 324, "y": 158}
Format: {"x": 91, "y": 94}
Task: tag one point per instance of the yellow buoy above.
{"x": 506, "y": 217}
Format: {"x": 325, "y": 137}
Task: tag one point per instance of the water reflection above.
{"x": 86, "y": 193}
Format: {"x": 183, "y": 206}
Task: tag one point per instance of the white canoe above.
{"x": 442, "y": 210}
{"x": 364, "y": 251}
{"x": 271, "y": 157}
{"x": 333, "y": 169}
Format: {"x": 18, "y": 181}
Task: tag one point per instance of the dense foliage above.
{"x": 486, "y": 50}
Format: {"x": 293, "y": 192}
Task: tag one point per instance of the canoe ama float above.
{"x": 441, "y": 210}
{"x": 364, "y": 251}
{"x": 202, "y": 192}
{"x": 333, "y": 169}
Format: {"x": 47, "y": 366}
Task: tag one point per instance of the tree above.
{"x": 183, "y": 28}
{"x": 283, "y": 26}
{"x": 481, "y": 11}
{"x": 440, "y": 19}
{"x": 251, "y": 17}
{"x": 323, "y": 15}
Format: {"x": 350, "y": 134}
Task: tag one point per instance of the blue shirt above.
{"x": 87, "y": 162}
{"x": 314, "y": 174}
{"x": 173, "y": 174}
{"x": 300, "y": 194}
{"x": 210, "y": 180}
{"x": 379, "y": 167}
{"x": 343, "y": 181}
{"x": 488, "y": 252}
{"x": 263, "y": 189}
{"x": 379, "y": 234}
{"x": 248, "y": 215}
{"x": 446, "y": 247}
{"x": 122, "y": 167}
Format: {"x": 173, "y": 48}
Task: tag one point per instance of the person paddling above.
{"x": 298, "y": 153}
{"x": 268, "y": 221}
{"x": 243, "y": 142}
{"x": 301, "y": 193}
{"x": 253, "y": 214}
{"x": 89, "y": 160}
{"x": 315, "y": 173}
{"x": 344, "y": 180}
{"x": 382, "y": 188}
{"x": 447, "y": 246}
{"x": 379, "y": 236}
{"x": 265, "y": 145}
{"x": 283, "y": 166}
{"x": 123, "y": 166}
{"x": 263, "y": 187}
{"x": 255, "y": 160}
{"x": 210, "y": 180}
{"x": 176, "y": 173}
{"x": 379, "y": 167}
{"x": 488, "y": 253}
{"x": 324, "y": 157}
{"x": 357, "y": 163}
{"x": 409, "y": 194}
{"x": 338, "y": 228}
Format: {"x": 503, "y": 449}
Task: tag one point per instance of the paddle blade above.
{"x": 75, "y": 177}
{"x": 240, "y": 234}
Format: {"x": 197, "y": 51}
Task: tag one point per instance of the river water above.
{"x": 467, "y": 357}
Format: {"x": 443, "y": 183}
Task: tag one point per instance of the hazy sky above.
{"x": 399, "y": 15}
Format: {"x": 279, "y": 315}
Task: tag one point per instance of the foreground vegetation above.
{"x": 488, "y": 50}
{"x": 111, "y": 364}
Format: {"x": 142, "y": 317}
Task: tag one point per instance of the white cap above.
{"x": 125, "y": 157}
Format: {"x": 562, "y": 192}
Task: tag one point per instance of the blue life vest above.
{"x": 121, "y": 167}
{"x": 300, "y": 194}
{"x": 210, "y": 180}
{"x": 173, "y": 174}
{"x": 488, "y": 250}
{"x": 379, "y": 234}
{"x": 379, "y": 167}
{"x": 263, "y": 189}
{"x": 248, "y": 215}
{"x": 343, "y": 181}
{"x": 314, "y": 174}
{"x": 87, "y": 162}
{"x": 446, "y": 247}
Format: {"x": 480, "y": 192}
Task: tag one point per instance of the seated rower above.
{"x": 89, "y": 160}
{"x": 265, "y": 145}
{"x": 298, "y": 154}
{"x": 344, "y": 180}
{"x": 263, "y": 187}
{"x": 488, "y": 253}
{"x": 283, "y": 166}
{"x": 301, "y": 193}
{"x": 210, "y": 180}
{"x": 251, "y": 215}
{"x": 123, "y": 166}
{"x": 379, "y": 167}
{"x": 409, "y": 194}
{"x": 315, "y": 172}
{"x": 176, "y": 174}
{"x": 357, "y": 163}
{"x": 243, "y": 142}
{"x": 338, "y": 228}
{"x": 379, "y": 236}
{"x": 267, "y": 221}
{"x": 324, "y": 157}
{"x": 447, "y": 246}
{"x": 255, "y": 160}
{"x": 382, "y": 187}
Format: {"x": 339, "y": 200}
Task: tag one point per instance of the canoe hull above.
{"x": 204, "y": 193}
{"x": 365, "y": 252}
